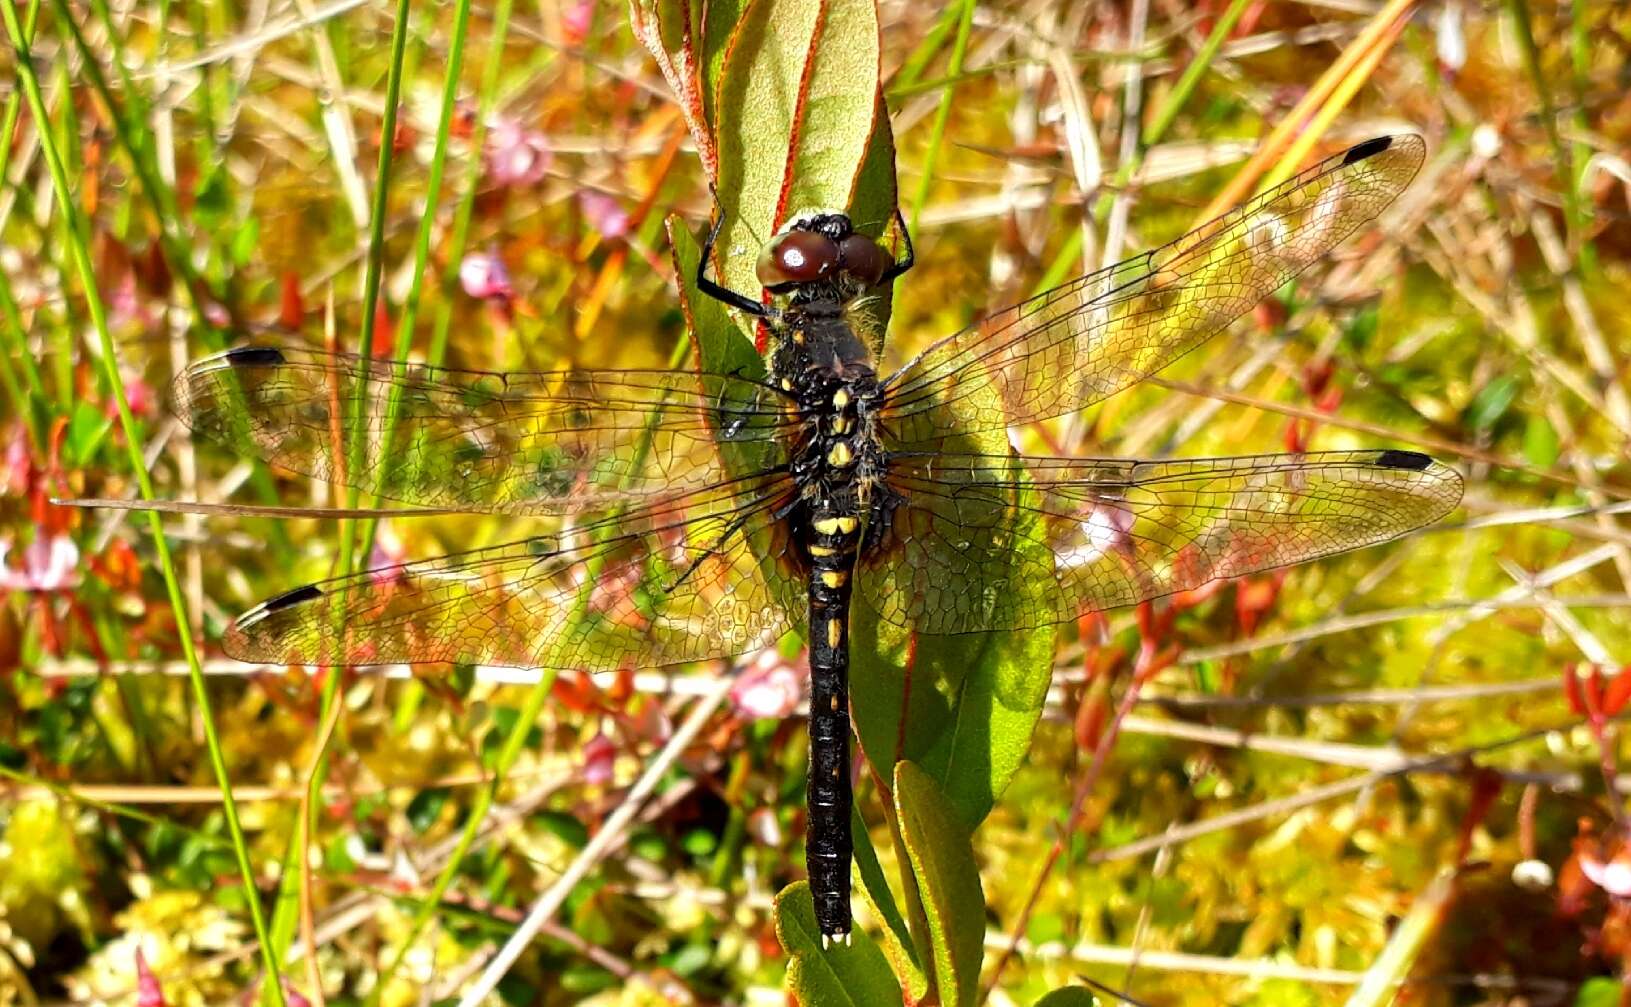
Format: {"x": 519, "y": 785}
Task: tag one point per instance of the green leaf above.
{"x": 88, "y": 427}
{"x": 1598, "y": 991}
{"x": 897, "y": 938}
{"x": 871, "y": 208}
{"x": 426, "y": 807}
{"x": 961, "y": 706}
{"x": 855, "y": 974}
{"x": 792, "y": 126}
{"x": 1492, "y": 402}
{"x": 1540, "y": 444}
{"x": 1069, "y": 996}
{"x": 948, "y": 882}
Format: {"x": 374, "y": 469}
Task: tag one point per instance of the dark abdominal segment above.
{"x": 831, "y": 541}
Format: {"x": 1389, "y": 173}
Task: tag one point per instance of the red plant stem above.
{"x": 1604, "y": 733}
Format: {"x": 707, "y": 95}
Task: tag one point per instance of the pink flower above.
{"x": 575, "y": 22}
{"x": 49, "y": 564}
{"x": 148, "y": 991}
{"x": 516, "y": 156}
{"x": 598, "y": 756}
{"x": 385, "y": 559}
{"x": 1613, "y": 877}
{"x": 482, "y": 274}
{"x": 769, "y": 688}
{"x": 292, "y": 996}
{"x": 604, "y": 213}
{"x": 138, "y": 393}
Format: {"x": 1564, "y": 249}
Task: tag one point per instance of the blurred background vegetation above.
{"x": 1427, "y": 728}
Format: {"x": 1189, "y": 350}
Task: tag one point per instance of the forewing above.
{"x": 1078, "y": 343}
{"x": 645, "y": 588}
{"x": 996, "y": 542}
{"x": 523, "y": 443}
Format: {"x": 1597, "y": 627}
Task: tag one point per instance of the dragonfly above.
{"x": 700, "y": 515}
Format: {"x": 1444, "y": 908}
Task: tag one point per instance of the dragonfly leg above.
{"x": 720, "y": 292}
{"x": 910, "y": 258}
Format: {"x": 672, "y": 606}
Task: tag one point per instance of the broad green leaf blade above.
{"x": 792, "y": 124}
{"x": 853, "y": 975}
{"x": 961, "y": 706}
{"x": 1069, "y": 996}
{"x": 897, "y": 938}
{"x": 871, "y": 209}
{"x": 835, "y": 129}
{"x": 948, "y": 882}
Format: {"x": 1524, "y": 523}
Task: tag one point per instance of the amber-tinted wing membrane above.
{"x": 653, "y": 586}
{"x": 522, "y": 443}
{"x": 1077, "y": 344}
{"x": 994, "y": 542}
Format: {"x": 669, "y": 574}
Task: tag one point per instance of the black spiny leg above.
{"x": 717, "y": 291}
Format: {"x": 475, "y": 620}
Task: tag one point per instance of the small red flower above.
{"x": 1600, "y": 693}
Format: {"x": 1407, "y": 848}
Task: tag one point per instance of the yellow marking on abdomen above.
{"x": 840, "y": 399}
{"x": 826, "y": 525}
{"x": 834, "y": 578}
{"x": 840, "y": 455}
{"x": 835, "y": 632}
{"x": 848, "y": 523}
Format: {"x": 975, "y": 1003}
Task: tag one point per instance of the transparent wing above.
{"x": 1100, "y": 333}
{"x": 655, "y": 586}
{"x": 523, "y": 443}
{"x": 993, "y": 542}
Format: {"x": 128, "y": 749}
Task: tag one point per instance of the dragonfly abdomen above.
{"x": 832, "y": 536}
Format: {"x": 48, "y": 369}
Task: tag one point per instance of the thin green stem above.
{"x": 965, "y": 24}
{"x": 1567, "y": 178}
{"x": 1579, "y": 147}
{"x": 1191, "y": 77}
{"x": 485, "y": 103}
{"x": 161, "y": 201}
{"x": 374, "y": 269}
{"x": 16, "y": 336}
{"x": 421, "y": 248}
{"x": 134, "y": 445}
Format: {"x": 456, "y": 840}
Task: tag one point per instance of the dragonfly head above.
{"x": 821, "y": 254}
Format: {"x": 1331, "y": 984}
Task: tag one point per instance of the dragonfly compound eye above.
{"x": 797, "y": 257}
{"x": 863, "y": 259}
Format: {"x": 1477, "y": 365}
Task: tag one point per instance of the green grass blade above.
{"x": 80, "y": 252}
